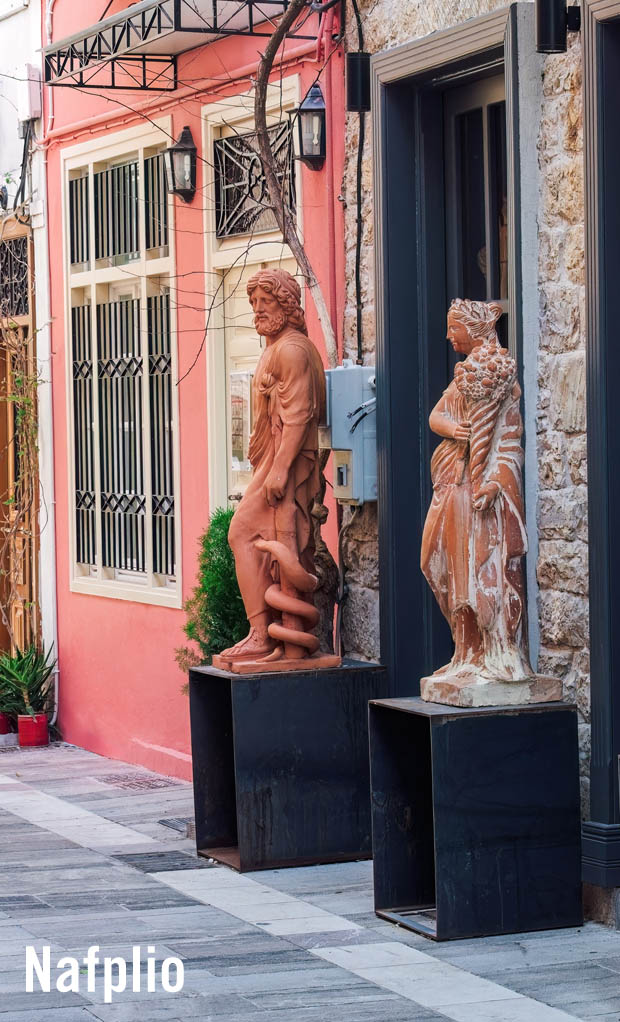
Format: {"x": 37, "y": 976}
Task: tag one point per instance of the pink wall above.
{"x": 120, "y": 689}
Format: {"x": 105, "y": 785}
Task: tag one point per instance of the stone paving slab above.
{"x": 299, "y": 945}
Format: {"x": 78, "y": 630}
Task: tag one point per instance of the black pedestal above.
{"x": 281, "y": 771}
{"x": 475, "y": 815}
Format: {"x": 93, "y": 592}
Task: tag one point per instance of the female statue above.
{"x": 474, "y": 537}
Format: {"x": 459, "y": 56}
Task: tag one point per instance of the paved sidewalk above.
{"x": 85, "y": 859}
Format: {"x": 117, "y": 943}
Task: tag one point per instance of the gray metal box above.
{"x": 351, "y": 431}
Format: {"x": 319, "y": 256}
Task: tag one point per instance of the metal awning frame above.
{"x": 113, "y": 43}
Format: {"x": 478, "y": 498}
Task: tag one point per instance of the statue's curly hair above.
{"x": 479, "y": 317}
{"x": 285, "y": 290}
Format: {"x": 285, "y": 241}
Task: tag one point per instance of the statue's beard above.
{"x": 269, "y": 324}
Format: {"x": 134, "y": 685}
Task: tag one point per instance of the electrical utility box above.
{"x": 351, "y": 431}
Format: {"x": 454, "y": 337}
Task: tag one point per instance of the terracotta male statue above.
{"x": 271, "y": 532}
{"x": 474, "y": 537}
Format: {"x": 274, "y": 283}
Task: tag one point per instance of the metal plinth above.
{"x": 475, "y": 814}
{"x": 280, "y": 761}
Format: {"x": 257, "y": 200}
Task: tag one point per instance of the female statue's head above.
{"x": 472, "y": 323}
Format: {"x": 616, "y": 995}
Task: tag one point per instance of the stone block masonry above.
{"x": 562, "y": 568}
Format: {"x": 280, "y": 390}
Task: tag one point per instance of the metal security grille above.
{"x": 116, "y": 213}
{"x": 78, "y": 220}
{"x": 241, "y": 200}
{"x": 85, "y": 527}
{"x": 119, "y": 369}
{"x": 156, "y": 202}
{"x": 14, "y": 278}
{"x": 160, "y": 389}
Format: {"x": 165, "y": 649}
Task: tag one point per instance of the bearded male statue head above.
{"x": 271, "y": 531}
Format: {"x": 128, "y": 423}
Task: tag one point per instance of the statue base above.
{"x": 476, "y": 819}
{"x": 467, "y": 688}
{"x": 280, "y": 763}
{"x": 320, "y": 661}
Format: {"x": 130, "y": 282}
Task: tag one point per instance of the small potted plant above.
{"x": 25, "y": 678}
{"x": 10, "y": 705}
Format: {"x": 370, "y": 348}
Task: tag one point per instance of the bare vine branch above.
{"x": 282, "y": 211}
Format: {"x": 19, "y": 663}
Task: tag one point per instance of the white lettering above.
{"x": 69, "y": 980}
{"x": 150, "y": 971}
{"x": 91, "y": 960}
{"x": 43, "y": 971}
{"x": 109, "y": 988}
{"x": 136, "y": 971}
{"x": 166, "y": 966}
{"x": 73, "y": 973}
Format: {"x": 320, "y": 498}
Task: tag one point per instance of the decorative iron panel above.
{"x": 79, "y": 227}
{"x": 156, "y": 202}
{"x": 162, "y": 478}
{"x": 116, "y": 213}
{"x": 241, "y": 198}
{"x": 83, "y": 427}
{"x": 119, "y": 369}
{"x": 14, "y": 278}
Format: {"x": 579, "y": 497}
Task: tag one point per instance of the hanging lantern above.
{"x": 311, "y": 122}
{"x": 180, "y": 163}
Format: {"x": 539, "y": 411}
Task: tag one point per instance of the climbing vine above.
{"x": 19, "y": 383}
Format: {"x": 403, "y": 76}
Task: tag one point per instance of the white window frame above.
{"x": 136, "y": 274}
{"x": 222, "y": 254}
{"x": 10, "y": 7}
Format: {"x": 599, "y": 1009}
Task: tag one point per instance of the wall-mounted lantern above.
{"x": 553, "y": 20}
{"x": 180, "y": 163}
{"x": 311, "y": 124}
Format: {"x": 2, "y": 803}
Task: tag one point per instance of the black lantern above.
{"x": 553, "y": 20}
{"x": 311, "y": 123}
{"x": 180, "y": 163}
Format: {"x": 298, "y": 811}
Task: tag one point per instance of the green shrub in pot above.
{"x": 25, "y": 681}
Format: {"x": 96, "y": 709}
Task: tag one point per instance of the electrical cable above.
{"x": 20, "y": 194}
{"x": 359, "y": 220}
{"x": 342, "y": 588}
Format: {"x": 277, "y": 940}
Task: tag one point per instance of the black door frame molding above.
{"x": 601, "y": 43}
{"x": 403, "y": 269}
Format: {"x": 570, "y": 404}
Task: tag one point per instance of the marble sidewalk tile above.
{"x": 181, "y": 1005}
{"x": 60, "y": 1014}
{"x": 521, "y": 1009}
{"x": 336, "y": 938}
{"x": 13, "y": 1004}
{"x": 370, "y": 956}
{"x": 434, "y": 984}
{"x": 307, "y": 924}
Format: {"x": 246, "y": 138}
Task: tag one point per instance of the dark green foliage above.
{"x": 215, "y": 612}
{"x": 25, "y": 681}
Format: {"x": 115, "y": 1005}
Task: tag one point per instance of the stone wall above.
{"x": 562, "y": 506}
{"x": 386, "y": 23}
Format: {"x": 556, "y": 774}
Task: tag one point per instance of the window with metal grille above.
{"x": 82, "y": 374}
{"x": 156, "y": 202}
{"x": 162, "y": 464}
{"x": 119, "y": 381}
{"x": 124, "y": 368}
{"x": 14, "y": 291}
{"x": 79, "y": 238}
{"x": 241, "y": 200}
{"x": 116, "y": 213}
{"x": 123, "y": 401}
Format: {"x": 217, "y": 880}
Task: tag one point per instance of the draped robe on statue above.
{"x": 470, "y": 558}
{"x": 288, "y": 390}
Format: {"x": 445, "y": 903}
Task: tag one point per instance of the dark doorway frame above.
{"x": 411, "y": 307}
{"x": 601, "y": 55}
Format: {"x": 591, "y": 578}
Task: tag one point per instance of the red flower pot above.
{"x": 5, "y": 724}
{"x": 32, "y": 730}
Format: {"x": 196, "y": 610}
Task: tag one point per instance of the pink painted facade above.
{"x": 120, "y": 689}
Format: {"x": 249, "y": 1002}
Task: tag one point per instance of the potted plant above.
{"x": 25, "y": 678}
{"x": 9, "y": 708}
